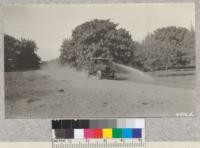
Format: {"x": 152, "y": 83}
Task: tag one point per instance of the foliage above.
{"x": 167, "y": 47}
{"x": 20, "y": 54}
{"x": 97, "y": 38}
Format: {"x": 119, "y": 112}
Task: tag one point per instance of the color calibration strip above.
{"x": 105, "y": 133}
{"x": 98, "y": 132}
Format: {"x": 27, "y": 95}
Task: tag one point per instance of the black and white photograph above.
{"x": 99, "y": 60}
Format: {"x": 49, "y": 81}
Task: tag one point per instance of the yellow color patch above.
{"x": 107, "y": 133}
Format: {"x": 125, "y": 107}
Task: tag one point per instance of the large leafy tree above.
{"x": 68, "y": 52}
{"x": 97, "y": 38}
{"x": 11, "y": 50}
{"x": 27, "y": 57}
{"x": 20, "y": 54}
{"x": 168, "y": 47}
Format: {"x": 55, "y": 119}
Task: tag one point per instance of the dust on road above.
{"x": 58, "y": 92}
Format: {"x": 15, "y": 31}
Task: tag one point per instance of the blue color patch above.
{"x": 137, "y": 133}
{"x": 127, "y": 133}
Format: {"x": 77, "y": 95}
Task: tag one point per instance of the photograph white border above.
{"x": 157, "y": 129}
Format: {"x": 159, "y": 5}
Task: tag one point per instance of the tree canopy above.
{"x": 20, "y": 54}
{"x": 167, "y": 47}
{"x": 97, "y": 38}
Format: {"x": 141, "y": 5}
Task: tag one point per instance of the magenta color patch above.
{"x": 88, "y": 133}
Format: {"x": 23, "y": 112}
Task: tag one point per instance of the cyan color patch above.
{"x": 127, "y": 133}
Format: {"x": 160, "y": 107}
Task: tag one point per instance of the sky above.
{"x": 48, "y": 25}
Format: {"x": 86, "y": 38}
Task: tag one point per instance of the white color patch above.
{"x": 139, "y": 123}
{"x": 78, "y": 133}
{"x": 130, "y": 123}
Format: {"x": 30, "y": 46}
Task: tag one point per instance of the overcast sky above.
{"x": 48, "y": 25}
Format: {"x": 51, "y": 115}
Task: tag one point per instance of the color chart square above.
{"x": 56, "y": 124}
{"x": 78, "y": 133}
{"x": 97, "y": 133}
{"x": 117, "y": 132}
{"x": 107, "y": 133}
{"x": 137, "y": 133}
{"x": 69, "y": 133}
{"x": 60, "y": 133}
{"x": 127, "y": 133}
{"x": 139, "y": 123}
{"x": 88, "y": 133}
{"x": 130, "y": 123}
{"x": 66, "y": 124}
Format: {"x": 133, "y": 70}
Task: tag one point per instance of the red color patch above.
{"x": 97, "y": 133}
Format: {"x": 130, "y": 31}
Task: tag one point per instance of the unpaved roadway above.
{"x": 59, "y": 92}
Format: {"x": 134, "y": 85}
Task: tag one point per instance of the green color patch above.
{"x": 117, "y": 133}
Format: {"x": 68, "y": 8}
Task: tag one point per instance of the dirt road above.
{"x": 58, "y": 92}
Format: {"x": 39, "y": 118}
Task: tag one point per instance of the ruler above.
{"x": 98, "y": 133}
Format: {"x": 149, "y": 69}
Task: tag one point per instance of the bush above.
{"x": 20, "y": 54}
